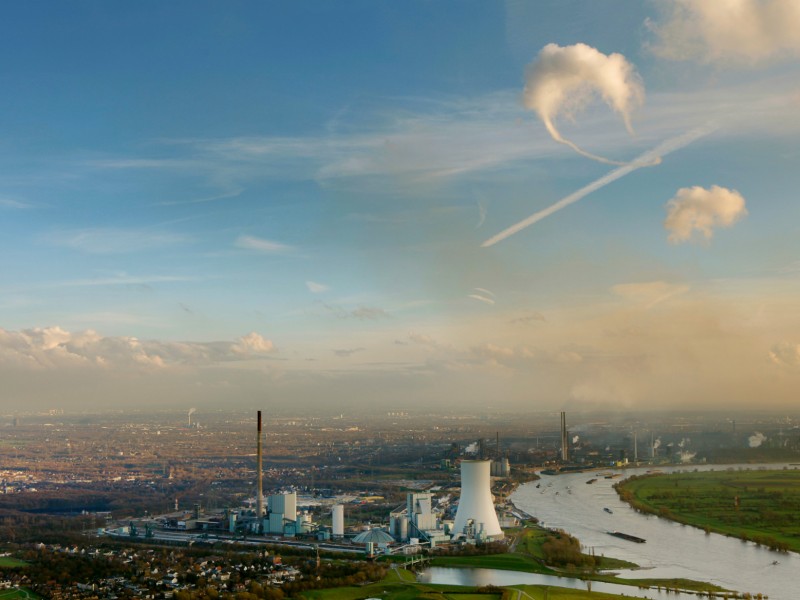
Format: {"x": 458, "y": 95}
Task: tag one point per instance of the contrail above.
{"x": 649, "y": 158}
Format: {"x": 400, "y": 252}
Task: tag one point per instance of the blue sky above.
{"x": 254, "y": 199}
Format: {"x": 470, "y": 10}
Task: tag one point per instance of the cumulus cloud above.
{"x": 252, "y": 343}
{"x": 316, "y": 288}
{"x": 699, "y": 209}
{"x": 57, "y": 348}
{"x": 563, "y": 80}
{"x": 728, "y": 31}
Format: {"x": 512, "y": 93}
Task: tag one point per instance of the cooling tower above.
{"x": 476, "y": 500}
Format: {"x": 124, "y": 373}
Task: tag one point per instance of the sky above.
{"x": 371, "y": 205}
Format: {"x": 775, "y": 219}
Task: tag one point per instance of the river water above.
{"x": 482, "y": 577}
{"x": 672, "y": 550}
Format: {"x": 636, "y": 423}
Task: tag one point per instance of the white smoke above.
{"x": 192, "y": 411}
{"x": 657, "y": 443}
{"x": 684, "y": 442}
{"x": 699, "y": 209}
{"x": 575, "y": 439}
{"x": 562, "y": 80}
{"x": 729, "y": 31}
{"x": 472, "y": 448}
{"x": 687, "y": 456}
{"x": 756, "y": 439}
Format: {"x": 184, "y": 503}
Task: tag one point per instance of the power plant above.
{"x": 424, "y": 519}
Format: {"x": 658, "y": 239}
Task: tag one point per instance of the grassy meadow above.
{"x": 760, "y": 505}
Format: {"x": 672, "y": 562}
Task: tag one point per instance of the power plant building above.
{"x": 282, "y": 508}
{"x": 476, "y": 516}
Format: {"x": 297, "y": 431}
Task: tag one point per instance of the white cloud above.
{"x": 728, "y": 31}
{"x": 563, "y": 80}
{"x": 481, "y": 298}
{"x": 250, "y": 242}
{"x": 316, "y": 288}
{"x": 699, "y": 209}
{"x": 252, "y": 343}
{"x": 57, "y": 348}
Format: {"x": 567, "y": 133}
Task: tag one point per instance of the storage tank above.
{"x": 338, "y": 520}
{"x": 476, "y": 500}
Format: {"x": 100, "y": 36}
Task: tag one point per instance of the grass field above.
{"x": 762, "y": 506}
{"x": 7, "y": 561}
{"x": 21, "y": 594}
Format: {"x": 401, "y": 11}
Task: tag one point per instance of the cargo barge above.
{"x": 627, "y": 536}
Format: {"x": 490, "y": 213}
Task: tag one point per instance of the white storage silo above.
{"x": 338, "y": 520}
{"x": 476, "y": 500}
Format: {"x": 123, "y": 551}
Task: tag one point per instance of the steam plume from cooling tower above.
{"x": 562, "y": 80}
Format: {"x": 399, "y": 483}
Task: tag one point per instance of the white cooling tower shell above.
{"x": 476, "y": 500}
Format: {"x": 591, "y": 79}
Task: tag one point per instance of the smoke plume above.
{"x": 562, "y": 80}
{"x": 756, "y": 439}
{"x": 699, "y": 209}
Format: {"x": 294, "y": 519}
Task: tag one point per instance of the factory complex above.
{"x": 426, "y": 519}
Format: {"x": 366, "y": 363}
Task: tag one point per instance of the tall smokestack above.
{"x": 259, "y": 467}
{"x": 635, "y": 448}
{"x": 564, "y": 440}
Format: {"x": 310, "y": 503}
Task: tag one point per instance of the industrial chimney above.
{"x": 259, "y": 468}
{"x": 476, "y": 503}
{"x": 564, "y": 438}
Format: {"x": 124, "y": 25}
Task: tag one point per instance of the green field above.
{"x": 761, "y": 506}
{"x": 8, "y": 561}
{"x": 21, "y": 594}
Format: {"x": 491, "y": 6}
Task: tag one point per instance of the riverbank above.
{"x": 529, "y": 554}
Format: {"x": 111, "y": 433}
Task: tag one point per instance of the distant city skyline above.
{"x": 577, "y": 205}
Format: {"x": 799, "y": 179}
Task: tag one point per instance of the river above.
{"x": 482, "y": 577}
{"x": 672, "y": 550}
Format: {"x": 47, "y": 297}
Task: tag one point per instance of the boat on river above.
{"x": 627, "y": 536}
{"x": 608, "y": 510}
